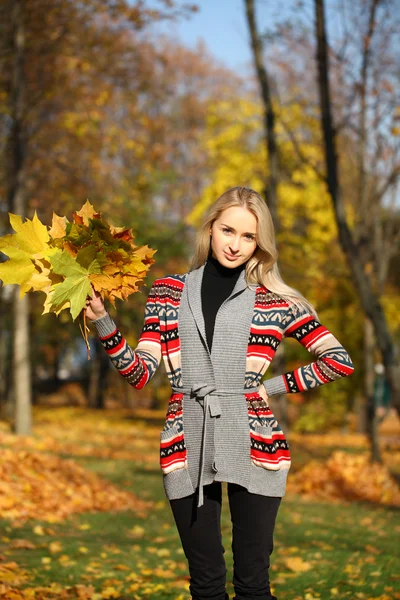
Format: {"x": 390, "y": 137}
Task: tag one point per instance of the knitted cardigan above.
{"x": 230, "y": 433}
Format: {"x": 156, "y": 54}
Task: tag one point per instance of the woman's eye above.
{"x": 249, "y": 237}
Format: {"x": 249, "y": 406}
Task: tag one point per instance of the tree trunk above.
{"x": 16, "y": 199}
{"x": 369, "y": 407}
{"x": 21, "y": 365}
{"x": 368, "y": 298}
{"x": 98, "y": 375}
{"x": 271, "y": 185}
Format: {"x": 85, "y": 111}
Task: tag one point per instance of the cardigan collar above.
{"x": 193, "y": 284}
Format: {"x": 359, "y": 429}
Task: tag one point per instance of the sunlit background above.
{"x": 150, "y": 110}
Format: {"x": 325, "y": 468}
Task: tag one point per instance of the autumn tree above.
{"x": 359, "y": 126}
{"x": 42, "y": 45}
{"x": 371, "y": 241}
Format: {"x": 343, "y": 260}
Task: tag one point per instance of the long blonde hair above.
{"x": 262, "y": 267}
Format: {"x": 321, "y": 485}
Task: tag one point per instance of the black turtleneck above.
{"x": 217, "y": 284}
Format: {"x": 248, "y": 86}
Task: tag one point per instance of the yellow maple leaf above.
{"x": 111, "y": 269}
{"x": 131, "y": 280}
{"x": 55, "y": 547}
{"x": 48, "y": 304}
{"x": 18, "y": 269}
{"x": 37, "y": 282}
{"x": 297, "y": 564}
{"x": 137, "y": 531}
{"x": 115, "y": 294}
{"x": 58, "y": 226}
{"x": 38, "y": 529}
{"x": 110, "y": 592}
{"x": 32, "y": 235}
{"x": 100, "y": 281}
{"x": 145, "y": 254}
{"x": 30, "y": 242}
{"x": 85, "y": 213}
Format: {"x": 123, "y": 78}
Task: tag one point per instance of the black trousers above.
{"x": 253, "y": 520}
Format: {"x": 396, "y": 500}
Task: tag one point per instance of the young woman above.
{"x": 217, "y": 328}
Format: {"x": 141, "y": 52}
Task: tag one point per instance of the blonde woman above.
{"x": 217, "y": 328}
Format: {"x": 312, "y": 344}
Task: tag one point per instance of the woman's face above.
{"x": 233, "y": 236}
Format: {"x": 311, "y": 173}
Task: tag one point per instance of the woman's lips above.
{"x": 230, "y": 257}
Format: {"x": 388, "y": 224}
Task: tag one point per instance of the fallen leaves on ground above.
{"x": 346, "y": 477}
{"x": 297, "y": 564}
{"x": 34, "y": 485}
{"x": 135, "y": 587}
{"x": 11, "y": 574}
{"x": 101, "y": 435}
{"x": 119, "y": 435}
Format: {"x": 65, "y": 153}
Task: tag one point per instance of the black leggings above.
{"x": 253, "y": 520}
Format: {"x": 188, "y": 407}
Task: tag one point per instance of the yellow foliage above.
{"x": 230, "y": 129}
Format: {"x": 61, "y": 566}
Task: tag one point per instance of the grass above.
{"x": 322, "y": 550}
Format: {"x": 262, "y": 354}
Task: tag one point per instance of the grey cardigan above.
{"x": 218, "y": 427}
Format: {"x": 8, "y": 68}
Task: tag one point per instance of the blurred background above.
{"x": 151, "y": 109}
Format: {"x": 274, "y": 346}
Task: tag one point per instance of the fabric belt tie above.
{"x": 208, "y": 397}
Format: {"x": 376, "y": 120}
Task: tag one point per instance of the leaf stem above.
{"x": 84, "y": 331}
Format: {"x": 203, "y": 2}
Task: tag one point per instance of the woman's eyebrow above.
{"x": 233, "y": 229}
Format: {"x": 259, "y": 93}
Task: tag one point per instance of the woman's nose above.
{"x": 234, "y": 245}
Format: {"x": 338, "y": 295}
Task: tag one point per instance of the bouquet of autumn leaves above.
{"x": 70, "y": 259}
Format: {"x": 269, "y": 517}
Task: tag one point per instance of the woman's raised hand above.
{"x": 95, "y": 306}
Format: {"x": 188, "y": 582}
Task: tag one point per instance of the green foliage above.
{"x": 325, "y": 409}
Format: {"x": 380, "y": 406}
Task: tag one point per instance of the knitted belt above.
{"x": 208, "y": 397}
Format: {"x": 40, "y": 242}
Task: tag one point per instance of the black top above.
{"x": 217, "y": 284}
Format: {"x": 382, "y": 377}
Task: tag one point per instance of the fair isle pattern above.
{"x": 138, "y": 366}
{"x": 159, "y": 337}
{"x": 266, "y": 332}
{"x": 168, "y": 290}
{"x": 273, "y": 319}
{"x": 174, "y": 417}
{"x": 269, "y": 447}
{"x": 173, "y": 454}
{"x": 333, "y": 361}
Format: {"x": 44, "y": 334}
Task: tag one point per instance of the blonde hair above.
{"x": 262, "y": 267}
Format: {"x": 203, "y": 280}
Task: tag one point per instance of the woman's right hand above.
{"x": 95, "y": 306}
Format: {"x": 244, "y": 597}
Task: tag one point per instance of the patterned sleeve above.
{"x": 136, "y": 366}
{"x": 332, "y": 362}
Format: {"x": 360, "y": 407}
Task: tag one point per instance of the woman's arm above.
{"x": 136, "y": 366}
{"x": 332, "y": 362}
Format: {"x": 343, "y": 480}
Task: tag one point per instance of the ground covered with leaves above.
{"x": 83, "y": 515}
